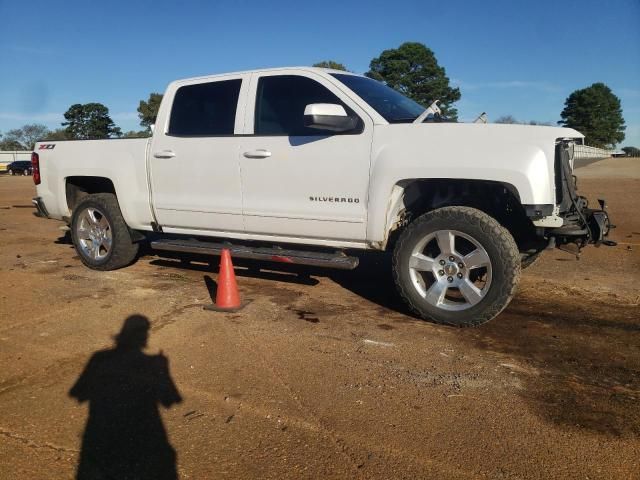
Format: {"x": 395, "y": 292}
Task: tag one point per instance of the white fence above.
{"x": 584, "y": 152}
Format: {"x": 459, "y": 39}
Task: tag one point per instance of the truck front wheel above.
{"x": 456, "y": 266}
{"x": 100, "y": 235}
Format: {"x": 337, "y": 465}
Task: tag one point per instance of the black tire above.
{"x": 123, "y": 250}
{"x": 498, "y": 244}
{"x": 529, "y": 260}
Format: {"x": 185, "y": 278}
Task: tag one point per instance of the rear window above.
{"x": 205, "y": 109}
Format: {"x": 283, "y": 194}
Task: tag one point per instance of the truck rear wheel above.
{"x": 456, "y": 266}
{"x": 100, "y": 235}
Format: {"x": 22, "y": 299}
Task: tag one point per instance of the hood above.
{"x": 519, "y": 155}
{"x": 493, "y": 131}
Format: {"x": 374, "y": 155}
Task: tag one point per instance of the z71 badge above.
{"x": 47, "y": 146}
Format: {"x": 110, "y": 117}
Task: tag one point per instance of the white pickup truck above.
{"x": 310, "y": 166}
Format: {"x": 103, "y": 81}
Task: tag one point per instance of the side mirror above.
{"x": 328, "y": 116}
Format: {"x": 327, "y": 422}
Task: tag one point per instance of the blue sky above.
{"x": 520, "y": 58}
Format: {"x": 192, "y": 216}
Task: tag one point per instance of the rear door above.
{"x": 195, "y": 175}
{"x": 300, "y": 182}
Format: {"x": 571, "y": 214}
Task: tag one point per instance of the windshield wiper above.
{"x": 432, "y": 110}
{"x": 402, "y": 120}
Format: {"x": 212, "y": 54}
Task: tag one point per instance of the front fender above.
{"x": 515, "y": 155}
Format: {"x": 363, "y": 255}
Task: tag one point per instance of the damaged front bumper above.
{"x": 599, "y": 224}
{"x": 581, "y": 225}
{"x": 584, "y": 226}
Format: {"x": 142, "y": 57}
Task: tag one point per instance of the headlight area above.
{"x": 581, "y": 224}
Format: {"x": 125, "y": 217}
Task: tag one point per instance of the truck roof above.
{"x": 274, "y": 69}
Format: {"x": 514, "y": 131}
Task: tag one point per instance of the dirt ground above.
{"x": 323, "y": 374}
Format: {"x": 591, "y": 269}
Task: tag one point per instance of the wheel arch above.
{"x": 78, "y": 187}
{"x": 411, "y": 198}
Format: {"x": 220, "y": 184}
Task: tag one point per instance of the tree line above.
{"x": 87, "y": 121}
{"x": 412, "y": 69}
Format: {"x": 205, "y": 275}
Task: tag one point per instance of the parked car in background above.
{"x": 19, "y": 167}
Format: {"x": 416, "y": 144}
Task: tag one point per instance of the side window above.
{"x": 205, "y": 109}
{"x": 280, "y": 103}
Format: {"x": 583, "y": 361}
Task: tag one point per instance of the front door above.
{"x": 195, "y": 176}
{"x": 300, "y": 182}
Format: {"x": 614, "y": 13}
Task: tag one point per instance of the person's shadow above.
{"x": 124, "y": 437}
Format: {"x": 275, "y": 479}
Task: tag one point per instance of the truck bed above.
{"x": 124, "y": 161}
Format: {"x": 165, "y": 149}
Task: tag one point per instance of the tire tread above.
{"x": 124, "y": 249}
{"x": 510, "y": 265}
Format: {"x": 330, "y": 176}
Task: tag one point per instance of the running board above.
{"x": 273, "y": 254}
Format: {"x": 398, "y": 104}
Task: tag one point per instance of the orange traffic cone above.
{"x": 227, "y": 296}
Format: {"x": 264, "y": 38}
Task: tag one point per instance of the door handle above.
{"x": 260, "y": 153}
{"x": 165, "y": 154}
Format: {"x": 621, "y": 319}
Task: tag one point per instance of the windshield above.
{"x": 392, "y": 105}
